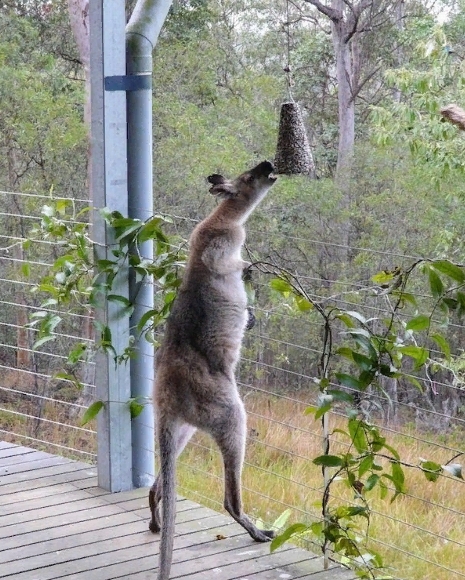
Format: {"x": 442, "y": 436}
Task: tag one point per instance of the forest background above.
{"x": 370, "y": 78}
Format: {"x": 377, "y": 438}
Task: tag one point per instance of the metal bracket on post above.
{"x": 128, "y": 82}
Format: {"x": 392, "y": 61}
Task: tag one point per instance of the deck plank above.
{"x": 55, "y": 523}
{"x": 11, "y": 451}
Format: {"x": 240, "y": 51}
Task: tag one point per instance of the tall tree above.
{"x": 349, "y": 20}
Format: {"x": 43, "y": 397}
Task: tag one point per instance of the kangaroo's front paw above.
{"x": 246, "y": 271}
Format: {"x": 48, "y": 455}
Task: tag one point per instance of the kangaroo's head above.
{"x": 249, "y": 187}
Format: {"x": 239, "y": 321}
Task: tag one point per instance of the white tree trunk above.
{"x": 79, "y": 19}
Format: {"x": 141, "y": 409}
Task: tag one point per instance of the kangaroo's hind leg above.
{"x": 230, "y": 433}
{"x": 184, "y": 434}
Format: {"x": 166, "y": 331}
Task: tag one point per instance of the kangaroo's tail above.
{"x": 167, "y": 442}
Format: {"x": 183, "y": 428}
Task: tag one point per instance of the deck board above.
{"x": 55, "y": 523}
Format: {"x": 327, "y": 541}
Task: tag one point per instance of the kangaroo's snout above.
{"x": 263, "y": 169}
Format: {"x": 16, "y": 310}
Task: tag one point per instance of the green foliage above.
{"x": 375, "y": 348}
{"x": 434, "y": 81}
{"x": 92, "y": 412}
{"x": 41, "y": 119}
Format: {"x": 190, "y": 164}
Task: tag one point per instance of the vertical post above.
{"x": 109, "y": 189}
{"x": 140, "y": 187}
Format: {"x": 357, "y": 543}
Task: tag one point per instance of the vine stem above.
{"x": 324, "y": 363}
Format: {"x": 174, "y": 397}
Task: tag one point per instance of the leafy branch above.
{"x": 79, "y": 281}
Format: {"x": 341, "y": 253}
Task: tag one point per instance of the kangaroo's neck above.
{"x": 235, "y": 211}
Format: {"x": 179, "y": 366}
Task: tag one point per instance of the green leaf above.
{"x": 294, "y": 530}
{"x": 383, "y": 489}
{"x": 341, "y": 396}
{"x": 414, "y": 381}
{"x": 281, "y": 520}
{"x": 407, "y": 297}
{"x": 92, "y": 412}
{"x": 357, "y": 316}
{"x": 76, "y": 354}
{"x": 418, "y": 353}
{"x": 145, "y": 318}
{"x": 347, "y": 320}
{"x": 418, "y": 323}
{"x": 135, "y": 408}
{"x": 365, "y": 465}
{"x": 322, "y": 410}
{"x": 281, "y": 286}
{"x": 435, "y": 283}
{"x": 461, "y": 302}
{"x": 329, "y": 461}
{"x": 442, "y": 343}
{"x": 119, "y": 298}
{"x": 106, "y": 334}
{"x": 363, "y": 361}
{"x": 431, "y": 470}
{"x": 43, "y": 340}
{"x": 449, "y": 269}
{"x": 357, "y": 434}
{"x": 398, "y": 477}
{"x": 382, "y": 278}
{"x": 391, "y": 449}
{"x": 363, "y": 338}
{"x": 371, "y": 482}
{"x": 346, "y": 352}
{"x": 303, "y": 304}
{"x": 26, "y": 269}
{"x": 351, "y": 511}
{"x": 150, "y": 229}
{"x": 349, "y": 381}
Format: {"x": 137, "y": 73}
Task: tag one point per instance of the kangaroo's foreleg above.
{"x": 184, "y": 433}
{"x": 230, "y": 436}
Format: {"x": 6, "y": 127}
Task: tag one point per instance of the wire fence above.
{"x": 41, "y": 402}
{"x": 420, "y": 534}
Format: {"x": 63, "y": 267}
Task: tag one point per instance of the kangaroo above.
{"x": 195, "y": 386}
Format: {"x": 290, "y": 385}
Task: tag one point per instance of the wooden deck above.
{"x": 56, "y": 523}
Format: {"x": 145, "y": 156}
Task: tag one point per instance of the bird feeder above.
{"x": 293, "y": 153}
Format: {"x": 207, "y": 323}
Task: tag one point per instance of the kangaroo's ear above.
{"x": 216, "y": 179}
{"x": 224, "y": 190}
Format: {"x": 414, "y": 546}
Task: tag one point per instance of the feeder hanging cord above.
{"x": 287, "y": 68}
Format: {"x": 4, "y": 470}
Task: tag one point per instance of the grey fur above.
{"x": 195, "y": 385}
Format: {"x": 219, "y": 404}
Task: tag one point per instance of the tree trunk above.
{"x": 346, "y": 103}
{"x": 79, "y": 19}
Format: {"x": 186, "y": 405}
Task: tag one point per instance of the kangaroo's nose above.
{"x": 263, "y": 168}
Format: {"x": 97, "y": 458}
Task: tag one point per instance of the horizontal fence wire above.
{"x": 420, "y": 534}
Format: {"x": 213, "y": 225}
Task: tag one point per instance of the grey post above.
{"x": 109, "y": 189}
{"x": 141, "y": 34}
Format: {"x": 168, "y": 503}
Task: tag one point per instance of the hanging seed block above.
{"x": 293, "y": 154}
{"x": 455, "y": 115}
